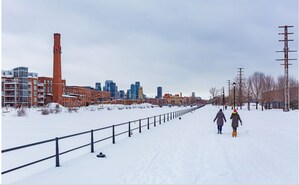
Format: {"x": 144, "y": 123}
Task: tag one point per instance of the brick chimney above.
{"x": 57, "y": 81}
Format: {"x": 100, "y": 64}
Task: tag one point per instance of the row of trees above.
{"x": 253, "y": 89}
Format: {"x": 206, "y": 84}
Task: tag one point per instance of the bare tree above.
{"x": 247, "y": 90}
{"x": 293, "y": 82}
{"x": 257, "y": 86}
{"x": 280, "y": 92}
{"x": 268, "y": 86}
{"x": 280, "y": 82}
{"x": 213, "y": 92}
{"x": 240, "y": 91}
{"x": 280, "y": 87}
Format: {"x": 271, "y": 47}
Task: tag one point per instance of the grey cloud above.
{"x": 181, "y": 45}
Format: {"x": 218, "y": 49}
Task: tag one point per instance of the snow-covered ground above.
{"x": 181, "y": 151}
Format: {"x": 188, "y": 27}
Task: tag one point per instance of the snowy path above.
{"x": 189, "y": 151}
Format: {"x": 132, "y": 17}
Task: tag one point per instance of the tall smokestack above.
{"x": 57, "y": 81}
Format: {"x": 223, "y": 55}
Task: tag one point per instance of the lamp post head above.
{"x": 234, "y": 84}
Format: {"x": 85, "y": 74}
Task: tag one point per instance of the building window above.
{"x": 34, "y": 93}
{"x": 35, "y": 88}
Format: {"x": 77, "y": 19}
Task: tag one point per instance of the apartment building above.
{"x": 21, "y": 88}
{"x": 15, "y": 87}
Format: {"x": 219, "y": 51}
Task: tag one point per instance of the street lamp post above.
{"x": 223, "y": 98}
{"x": 234, "y": 85}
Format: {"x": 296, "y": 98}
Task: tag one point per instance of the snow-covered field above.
{"x": 181, "y": 151}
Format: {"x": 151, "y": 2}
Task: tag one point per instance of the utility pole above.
{"x": 229, "y": 99}
{"x": 286, "y": 65}
{"x": 223, "y": 101}
{"x": 240, "y": 87}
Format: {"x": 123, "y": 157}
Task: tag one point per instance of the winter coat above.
{"x": 235, "y": 119}
{"x": 220, "y": 117}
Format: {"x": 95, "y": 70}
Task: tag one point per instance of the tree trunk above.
{"x": 248, "y": 106}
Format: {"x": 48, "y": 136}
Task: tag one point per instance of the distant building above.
{"x": 21, "y": 73}
{"x": 122, "y": 94}
{"x": 111, "y": 87}
{"x": 10, "y": 89}
{"x": 137, "y": 86}
{"x": 47, "y": 83}
{"x": 159, "y": 92}
{"x": 275, "y": 99}
{"x": 140, "y": 93}
{"x": 133, "y": 91}
{"x": 33, "y": 90}
{"x": 98, "y": 86}
{"x": 21, "y": 88}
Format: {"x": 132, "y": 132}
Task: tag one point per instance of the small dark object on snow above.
{"x": 101, "y": 155}
{"x": 180, "y": 118}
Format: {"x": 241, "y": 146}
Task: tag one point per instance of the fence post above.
{"x": 129, "y": 129}
{"x": 148, "y": 123}
{"x": 164, "y": 118}
{"x": 113, "y": 134}
{"x": 139, "y": 125}
{"x": 167, "y": 116}
{"x": 154, "y": 121}
{"x": 57, "y": 152}
{"x": 160, "y": 119}
{"x": 92, "y": 145}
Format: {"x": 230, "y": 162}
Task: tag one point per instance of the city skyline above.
{"x": 8, "y": 73}
{"x": 183, "y": 47}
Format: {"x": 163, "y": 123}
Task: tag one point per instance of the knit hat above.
{"x": 235, "y": 110}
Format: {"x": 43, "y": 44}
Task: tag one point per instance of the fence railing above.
{"x": 145, "y": 122}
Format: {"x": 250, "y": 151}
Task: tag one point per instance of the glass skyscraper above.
{"x": 137, "y": 86}
{"x": 111, "y": 87}
{"x": 133, "y": 92}
{"x": 159, "y": 92}
{"x": 98, "y": 86}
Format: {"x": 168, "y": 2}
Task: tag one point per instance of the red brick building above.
{"x": 275, "y": 98}
{"x": 32, "y": 89}
{"x": 86, "y": 95}
{"x": 45, "y": 84}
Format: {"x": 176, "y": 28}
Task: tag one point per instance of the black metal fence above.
{"x": 145, "y": 122}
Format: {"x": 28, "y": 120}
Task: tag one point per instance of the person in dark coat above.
{"x": 220, "y": 117}
{"x": 235, "y": 117}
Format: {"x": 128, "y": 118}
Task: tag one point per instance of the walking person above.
{"x": 235, "y": 117}
{"x": 220, "y": 117}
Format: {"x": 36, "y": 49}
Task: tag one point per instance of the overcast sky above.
{"x": 183, "y": 46}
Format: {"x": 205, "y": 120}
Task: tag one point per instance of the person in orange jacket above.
{"x": 235, "y": 117}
